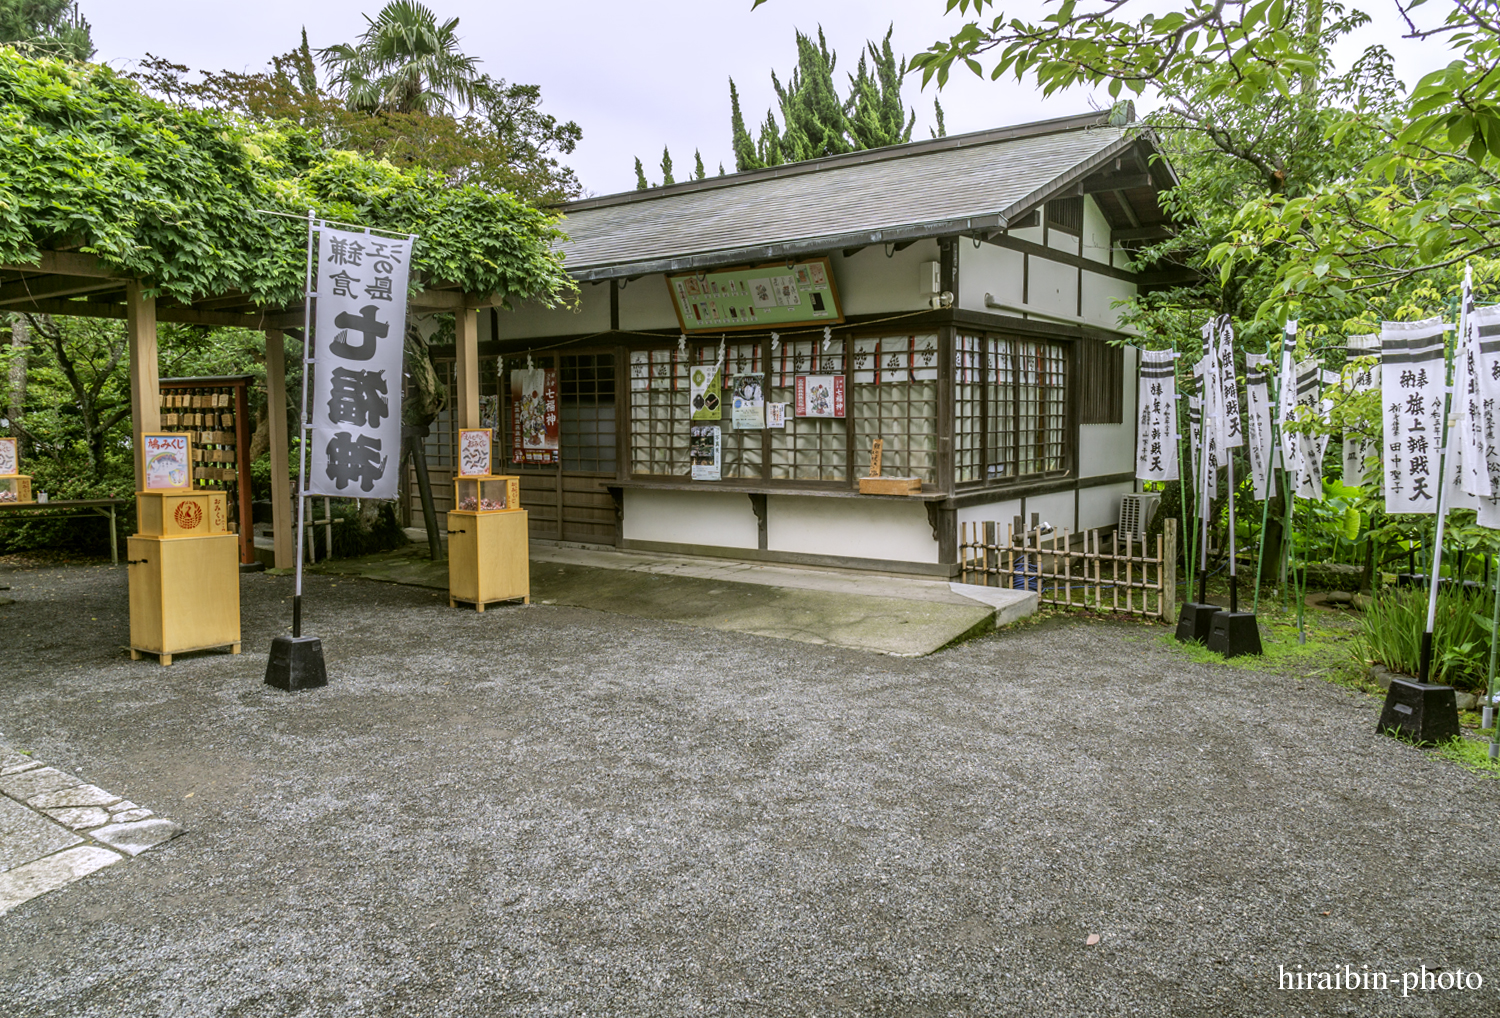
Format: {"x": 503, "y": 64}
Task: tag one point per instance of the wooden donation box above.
{"x": 184, "y": 569}
{"x": 487, "y": 542}
{"x": 14, "y": 485}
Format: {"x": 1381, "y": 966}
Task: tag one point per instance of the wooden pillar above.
{"x": 281, "y": 482}
{"x": 466, "y": 349}
{"x": 145, "y": 388}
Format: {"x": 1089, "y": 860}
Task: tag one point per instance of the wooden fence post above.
{"x": 1169, "y": 569}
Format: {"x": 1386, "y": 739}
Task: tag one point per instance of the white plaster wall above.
{"x": 1100, "y": 507}
{"x": 1058, "y": 240}
{"x": 532, "y": 319}
{"x": 1096, "y": 232}
{"x": 851, "y": 527}
{"x": 1056, "y": 509}
{"x": 871, "y": 283}
{"x": 1053, "y": 287}
{"x": 1110, "y": 448}
{"x": 1000, "y": 512}
{"x": 1099, "y": 292}
{"x": 988, "y": 269}
{"x": 722, "y": 519}
{"x": 645, "y": 303}
{"x": 1031, "y": 233}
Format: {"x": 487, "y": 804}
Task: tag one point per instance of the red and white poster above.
{"x": 819, "y": 395}
{"x": 533, "y": 415}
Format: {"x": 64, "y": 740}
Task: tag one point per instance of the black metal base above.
{"x": 296, "y": 662}
{"x": 1196, "y": 622}
{"x": 252, "y": 567}
{"x": 1234, "y": 633}
{"x": 1420, "y": 711}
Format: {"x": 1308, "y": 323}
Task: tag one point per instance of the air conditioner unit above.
{"x": 1136, "y": 512}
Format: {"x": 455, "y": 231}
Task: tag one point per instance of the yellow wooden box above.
{"x": 180, "y": 513}
{"x": 890, "y": 486}
{"x": 487, "y": 558}
{"x": 184, "y": 594}
{"x": 490, "y": 494}
{"x": 15, "y": 488}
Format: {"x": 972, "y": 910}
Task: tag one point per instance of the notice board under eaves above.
{"x": 774, "y": 295}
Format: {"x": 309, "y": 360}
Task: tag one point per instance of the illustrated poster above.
{"x": 358, "y": 347}
{"x": 167, "y": 462}
{"x": 10, "y": 460}
{"x": 749, "y": 401}
{"x": 707, "y": 392}
{"x": 533, "y": 397}
{"x": 474, "y": 452}
{"x": 819, "y": 395}
{"x": 705, "y": 448}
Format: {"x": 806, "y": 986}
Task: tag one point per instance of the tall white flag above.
{"x": 1412, "y": 380}
{"x": 1286, "y": 395}
{"x": 1156, "y": 449}
{"x": 1484, "y": 326}
{"x": 355, "y": 364}
{"x": 1229, "y": 385}
{"x": 1360, "y": 377}
{"x": 1307, "y": 455}
{"x": 1258, "y": 422}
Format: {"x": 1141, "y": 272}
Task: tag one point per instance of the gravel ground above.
{"x": 553, "y": 811}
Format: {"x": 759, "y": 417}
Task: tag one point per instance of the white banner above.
{"x": 1156, "y": 451}
{"x": 1232, "y": 430}
{"x": 1286, "y": 398}
{"x": 1412, "y": 379}
{"x": 358, "y": 337}
{"x": 1307, "y": 460}
{"x": 1484, "y": 326}
{"x": 1360, "y": 449}
{"x": 1258, "y": 423}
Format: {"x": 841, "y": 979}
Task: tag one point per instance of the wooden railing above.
{"x": 1113, "y": 573}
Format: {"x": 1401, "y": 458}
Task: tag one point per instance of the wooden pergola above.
{"x": 77, "y": 284}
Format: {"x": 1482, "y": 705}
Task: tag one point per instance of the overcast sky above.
{"x": 635, "y": 76}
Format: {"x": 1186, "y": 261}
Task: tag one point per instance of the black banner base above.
{"x": 1234, "y": 633}
{"x": 296, "y": 662}
{"x": 1196, "y": 622}
{"x": 1420, "y": 711}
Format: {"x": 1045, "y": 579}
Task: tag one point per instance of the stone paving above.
{"x": 56, "y": 828}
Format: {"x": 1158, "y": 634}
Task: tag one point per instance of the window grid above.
{"x": 810, "y": 448}
{"x": 968, "y": 411}
{"x": 586, "y": 394}
{"x": 659, "y": 413}
{"x": 894, "y": 398}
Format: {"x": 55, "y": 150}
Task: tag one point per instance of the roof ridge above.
{"x": 989, "y": 136}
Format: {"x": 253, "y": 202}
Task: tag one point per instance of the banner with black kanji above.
{"x": 356, "y": 364}
{"x": 1156, "y": 431}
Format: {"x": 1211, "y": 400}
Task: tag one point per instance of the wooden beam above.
{"x": 1116, "y": 182}
{"x": 1158, "y": 232}
{"x": 437, "y": 300}
{"x": 67, "y": 263}
{"x": 145, "y": 392}
{"x": 181, "y": 316}
{"x": 466, "y": 362}
{"x": 1062, "y": 257}
{"x": 24, "y": 291}
{"x": 281, "y": 482}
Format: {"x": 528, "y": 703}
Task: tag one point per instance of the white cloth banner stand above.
{"x": 1258, "y": 423}
{"x": 1286, "y": 397}
{"x": 1412, "y": 380}
{"x": 355, "y": 357}
{"x": 1156, "y": 449}
{"x": 1359, "y": 449}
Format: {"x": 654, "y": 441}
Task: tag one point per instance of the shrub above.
{"x": 1392, "y": 630}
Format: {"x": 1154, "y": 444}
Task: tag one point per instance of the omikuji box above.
{"x": 181, "y": 514}
{"x": 15, "y": 488}
{"x": 491, "y": 494}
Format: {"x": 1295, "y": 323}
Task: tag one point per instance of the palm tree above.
{"x": 406, "y": 62}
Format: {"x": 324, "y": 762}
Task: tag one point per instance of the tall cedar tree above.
{"x": 46, "y": 27}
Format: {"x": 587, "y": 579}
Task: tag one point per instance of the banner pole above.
{"x": 302, "y": 431}
{"x": 1424, "y": 662}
